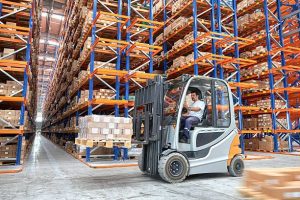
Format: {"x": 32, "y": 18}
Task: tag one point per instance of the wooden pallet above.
{"x": 272, "y": 183}
{"x": 7, "y": 162}
{"x": 102, "y": 143}
{"x": 80, "y": 156}
{"x": 251, "y": 129}
{"x": 263, "y": 150}
{"x": 249, "y": 193}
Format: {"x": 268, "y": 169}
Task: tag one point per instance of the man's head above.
{"x": 195, "y": 95}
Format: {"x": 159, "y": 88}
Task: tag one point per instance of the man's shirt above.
{"x": 197, "y": 104}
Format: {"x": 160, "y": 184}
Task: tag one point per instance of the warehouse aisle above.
{"x": 51, "y": 173}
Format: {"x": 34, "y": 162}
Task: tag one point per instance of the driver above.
{"x": 194, "y": 115}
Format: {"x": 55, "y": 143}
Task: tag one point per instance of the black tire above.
{"x": 236, "y": 167}
{"x": 173, "y": 168}
{"x": 141, "y": 162}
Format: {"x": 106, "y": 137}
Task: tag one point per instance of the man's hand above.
{"x": 185, "y": 105}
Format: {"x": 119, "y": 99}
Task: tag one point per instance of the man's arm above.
{"x": 197, "y": 107}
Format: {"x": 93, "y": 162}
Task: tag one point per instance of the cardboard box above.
{"x": 7, "y": 51}
{"x": 255, "y": 143}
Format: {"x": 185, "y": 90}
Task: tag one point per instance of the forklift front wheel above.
{"x": 141, "y": 162}
{"x": 173, "y": 168}
{"x": 236, "y": 167}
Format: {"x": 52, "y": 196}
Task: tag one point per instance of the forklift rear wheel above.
{"x": 173, "y": 168}
{"x": 236, "y": 167}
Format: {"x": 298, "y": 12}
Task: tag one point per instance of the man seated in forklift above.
{"x": 193, "y": 114}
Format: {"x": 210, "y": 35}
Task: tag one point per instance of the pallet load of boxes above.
{"x": 104, "y": 130}
{"x": 270, "y": 183}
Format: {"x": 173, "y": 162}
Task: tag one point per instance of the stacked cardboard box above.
{"x": 244, "y": 4}
{"x": 105, "y": 127}
{"x": 250, "y": 123}
{"x": 187, "y": 39}
{"x": 6, "y": 52}
{"x": 252, "y": 144}
{"x": 178, "y": 44}
{"x": 178, "y": 62}
{"x": 266, "y": 103}
{"x": 258, "y": 70}
{"x": 73, "y": 122}
{"x": 104, "y": 93}
{"x": 11, "y": 88}
{"x": 272, "y": 183}
{"x": 266, "y": 144}
{"x": 175, "y": 25}
{"x": 84, "y": 96}
{"x": 76, "y": 81}
{"x": 283, "y": 145}
{"x": 247, "y": 19}
{"x": 9, "y": 150}
{"x": 11, "y": 116}
{"x": 183, "y": 60}
{"x": 261, "y": 85}
{"x": 189, "y": 58}
{"x": 264, "y": 121}
{"x": 158, "y": 6}
{"x": 98, "y": 94}
{"x": 177, "y": 5}
{"x": 257, "y": 51}
{"x": 190, "y": 37}
{"x": 70, "y": 147}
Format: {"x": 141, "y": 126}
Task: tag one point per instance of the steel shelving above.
{"x": 220, "y": 42}
{"x": 118, "y": 38}
{"x": 126, "y": 40}
{"x": 279, "y": 54}
{"x": 17, "y": 36}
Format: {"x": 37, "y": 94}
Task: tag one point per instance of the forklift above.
{"x": 213, "y": 144}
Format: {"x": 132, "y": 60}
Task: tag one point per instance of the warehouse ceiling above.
{"x": 51, "y": 23}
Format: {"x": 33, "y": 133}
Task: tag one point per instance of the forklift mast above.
{"x": 147, "y": 122}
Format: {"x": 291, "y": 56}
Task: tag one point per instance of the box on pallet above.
{"x": 266, "y": 143}
{"x": 105, "y": 127}
{"x": 250, "y": 123}
{"x": 9, "y": 53}
{"x": 10, "y": 116}
{"x": 264, "y": 121}
{"x": 11, "y": 88}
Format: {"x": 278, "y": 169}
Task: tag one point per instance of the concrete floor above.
{"x": 51, "y": 173}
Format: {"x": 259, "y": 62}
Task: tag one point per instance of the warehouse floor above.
{"x": 51, "y": 173}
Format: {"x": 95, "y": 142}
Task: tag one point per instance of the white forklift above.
{"x": 213, "y": 144}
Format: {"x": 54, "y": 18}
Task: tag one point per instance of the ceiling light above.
{"x": 59, "y": 17}
{"x": 49, "y": 42}
{"x": 46, "y": 58}
{"x": 55, "y": 16}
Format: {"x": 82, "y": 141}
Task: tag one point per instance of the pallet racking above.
{"x": 280, "y": 54}
{"x": 17, "y": 66}
{"x": 119, "y": 32}
{"x": 215, "y": 49}
{"x": 133, "y": 37}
